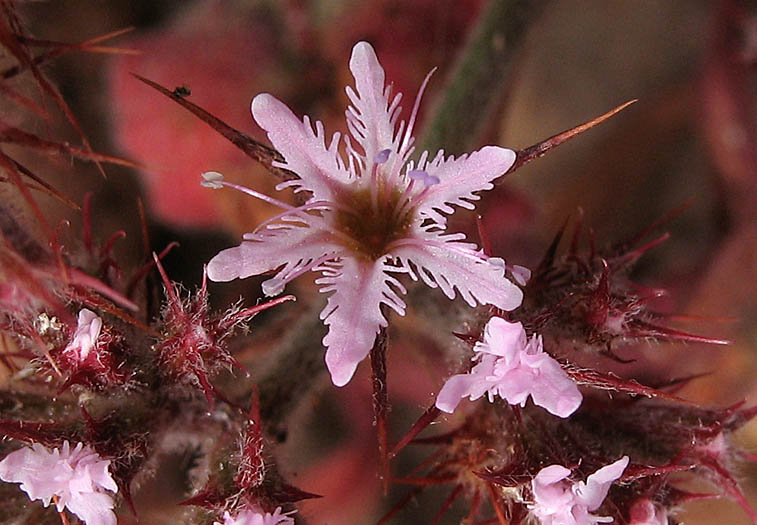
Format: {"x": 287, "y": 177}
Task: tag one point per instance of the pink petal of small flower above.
{"x": 454, "y": 390}
{"x": 558, "y": 501}
{"x": 513, "y": 385}
{"x": 550, "y": 475}
{"x": 555, "y": 391}
{"x": 593, "y": 492}
{"x": 502, "y": 338}
{"x": 77, "y": 477}
{"x": 550, "y": 492}
{"x": 353, "y": 312}
{"x": 320, "y": 169}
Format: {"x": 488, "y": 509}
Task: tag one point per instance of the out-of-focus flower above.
{"x": 77, "y": 479}
{"x": 645, "y": 512}
{"x": 371, "y": 216}
{"x": 256, "y": 516}
{"x": 85, "y": 336}
{"x": 558, "y": 501}
{"x": 512, "y": 367}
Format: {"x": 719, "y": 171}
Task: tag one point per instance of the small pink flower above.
{"x": 78, "y": 478}
{"x": 256, "y": 516}
{"x": 370, "y": 216}
{"x": 85, "y": 337}
{"x": 559, "y": 501}
{"x": 645, "y": 512}
{"x": 512, "y": 367}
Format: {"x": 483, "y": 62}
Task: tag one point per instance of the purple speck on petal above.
{"x": 382, "y": 156}
{"x": 421, "y": 175}
{"x": 453, "y": 391}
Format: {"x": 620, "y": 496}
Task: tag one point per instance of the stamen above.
{"x": 325, "y": 205}
{"x": 273, "y": 287}
{"x": 214, "y": 180}
{"x": 374, "y": 187}
{"x": 404, "y": 202}
{"x": 374, "y": 176}
{"x": 410, "y": 123}
{"x": 415, "y": 175}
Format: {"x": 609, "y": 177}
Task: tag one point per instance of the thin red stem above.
{"x": 381, "y": 402}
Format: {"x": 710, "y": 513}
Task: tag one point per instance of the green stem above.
{"x": 478, "y": 84}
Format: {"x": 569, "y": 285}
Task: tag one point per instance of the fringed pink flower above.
{"x": 512, "y": 367}
{"x": 257, "y": 516}
{"x": 77, "y": 478}
{"x": 559, "y": 501}
{"x": 369, "y": 217}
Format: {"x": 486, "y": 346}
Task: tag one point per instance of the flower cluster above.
{"x": 558, "y": 501}
{"x": 369, "y": 217}
{"x": 512, "y": 367}
{"x": 75, "y": 479}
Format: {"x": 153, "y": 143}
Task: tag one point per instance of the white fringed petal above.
{"x": 291, "y": 245}
{"x": 320, "y": 169}
{"x": 452, "y": 265}
{"x": 371, "y": 118}
{"x": 353, "y": 312}
{"x": 460, "y": 179}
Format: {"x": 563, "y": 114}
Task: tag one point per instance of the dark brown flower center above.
{"x": 373, "y": 226}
